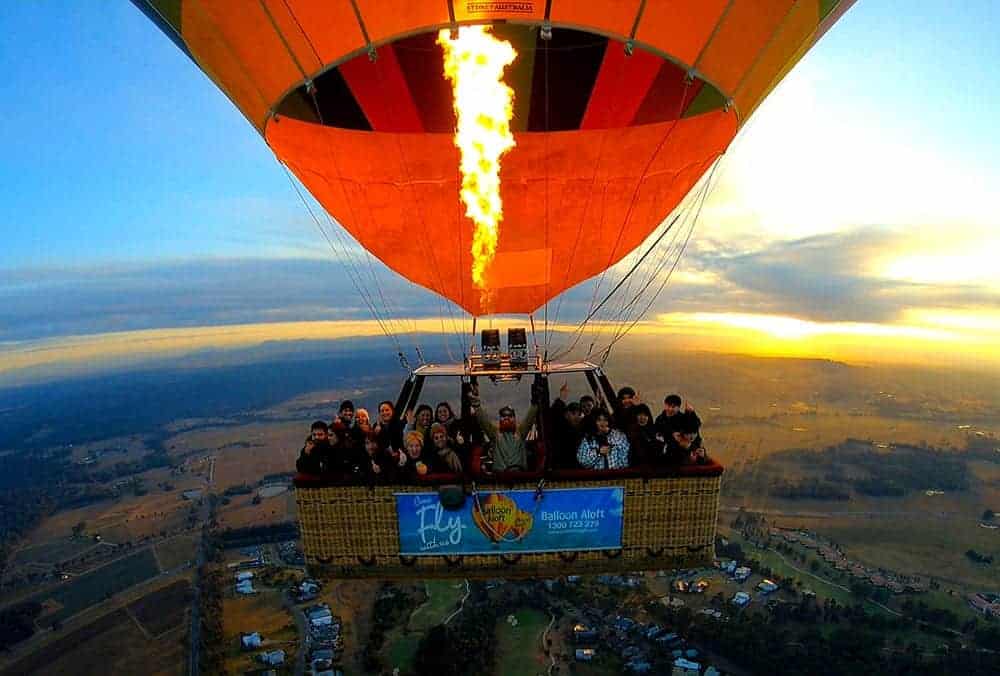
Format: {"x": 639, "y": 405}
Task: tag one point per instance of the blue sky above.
{"x": 119, "y": 148}
{"x": 123, "y": 165}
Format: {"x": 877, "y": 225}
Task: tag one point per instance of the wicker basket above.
{"x": 352, "y": 531}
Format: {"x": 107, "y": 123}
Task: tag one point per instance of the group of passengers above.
{"x": 595, "y": 438}
{"x": 585, "y": 435}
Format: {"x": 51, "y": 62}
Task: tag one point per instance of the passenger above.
{"x": 317, "y": 454}
{"x": 509, "y": 449}
{"x": 363, "y": 420}
{"x": 626, "y": 400}
{"x": 420, "y": 420}
{"x": 587, "y": 405}
{"x": 646, "y": 447}
{"x": 567, "y": 423}
{"x": 445, "y": 416}
{"x": 411, "y": 462}
{"x": 378, "y": 457}
{"x": 389, "y": 428}
{"x": 666, "y": 422}
{"x": 684, "y": 447}
{"x": 603, "y": 447}
{"x": 445, "y": 459}
{"x": 349, "y": 435}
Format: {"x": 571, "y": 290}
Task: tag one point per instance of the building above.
{"x": 244, "y": 575}
{"x": 250, "y": 641}
{"x": 767, "y": 586}
{"x": 272, "y": 658}
{"x": 683, "y": 667}
{"x": 583, "y": 634}
{"x": 584, "y": 654}
{"x": 244, "y": 587}
{"x": 741, "y": 573}
{"x": 741, "y": 599}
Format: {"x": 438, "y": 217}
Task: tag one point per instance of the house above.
{"x": 245, "y": 587}
{"x": 244, "y": 575}
{"x": 682, "y": 667}
{"x": 767, "y": 586}
{"x": 699, "y": 587}
{"x": 741, "y": 573}
{"x": 638, "y": 666}
{"x": 272, "y": 658}
{"x": 653, "y": 631}
{"x": 307, "y": 586}
{"x": 730, "y": 567}
{"x": 712, "y": 671}
{"x": 584, "y": 654}
{"x": 572, "y": 579}
{"x": 741, "y": 599}
{"x": 623, "y": 623}
{"x": 670, "y": 640}
{"x": 583, "y": 634}
{"x": 250, "y": 641}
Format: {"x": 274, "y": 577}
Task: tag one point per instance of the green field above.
{"x": 443, "y": 597}
{"x": 55, "y": 551}
{"x": 519, "y": 649}
{"x": 400, "y": 649}
{"x": 96, "y": 586}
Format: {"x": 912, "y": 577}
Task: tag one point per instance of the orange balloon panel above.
{"x": 575, "y": 202}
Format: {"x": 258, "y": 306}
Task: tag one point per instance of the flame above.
{"x": 484, "y": 104}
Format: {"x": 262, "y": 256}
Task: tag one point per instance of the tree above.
{"x": 988, "y": 515}
{"x": 79, "y": 528}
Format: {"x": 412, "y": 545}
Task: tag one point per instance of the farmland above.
{"x": 163, "y": 609}
{"x": 86, "y": 590}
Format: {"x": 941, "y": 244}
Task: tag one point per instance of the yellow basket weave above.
{"x": 352, "y": 532}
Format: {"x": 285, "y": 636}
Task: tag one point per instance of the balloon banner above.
{"x": 570, "y": 519}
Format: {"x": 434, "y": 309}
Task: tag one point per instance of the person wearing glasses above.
{"x": 508, "y": 437}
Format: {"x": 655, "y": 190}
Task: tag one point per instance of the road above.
{"x": 194, "y": 640}
{"x": 303, "y": 631}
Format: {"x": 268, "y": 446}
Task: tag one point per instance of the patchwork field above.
{"x": 246, "y": 453}
{"x": 176, "y": 551}
{"x": 113, "y": 644}
{"x": 82, "y": 592}
{"x": 164, "y": 609}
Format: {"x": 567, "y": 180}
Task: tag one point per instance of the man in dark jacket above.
{"x": 684, "y": 446}
{"x": 567, "y": 425}
{"x": 666, "y": 423}
{"x": 316, "y": 457}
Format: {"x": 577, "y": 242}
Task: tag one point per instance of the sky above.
{"x": 854, "y": 217}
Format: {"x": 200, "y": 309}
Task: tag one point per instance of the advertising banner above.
{"x": 558, "y": 520}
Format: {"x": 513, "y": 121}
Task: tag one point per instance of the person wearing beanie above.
{"x": 508, "y": 437}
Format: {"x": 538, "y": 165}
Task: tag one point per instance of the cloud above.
{"x": 44, "y": 303}
{"x": 827, "y": 277}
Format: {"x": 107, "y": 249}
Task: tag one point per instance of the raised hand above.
{"x": 564, "y": 391}
{"x": 688, "y": 408}
{"x": 410, "y": 416}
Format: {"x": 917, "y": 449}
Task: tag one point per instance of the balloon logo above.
{"x": 498, "y": 518}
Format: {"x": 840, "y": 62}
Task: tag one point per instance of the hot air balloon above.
{"x": 600, "y": 116}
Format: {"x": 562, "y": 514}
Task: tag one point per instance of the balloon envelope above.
{"x": 616, "y": 117}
